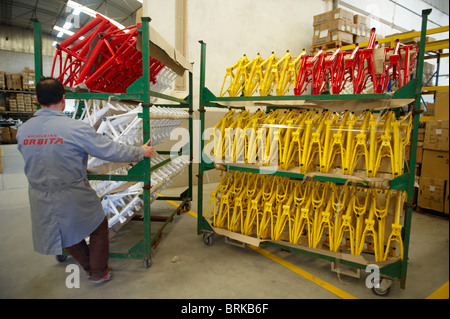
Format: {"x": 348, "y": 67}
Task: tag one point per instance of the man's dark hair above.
{"x": 49, "y": 91}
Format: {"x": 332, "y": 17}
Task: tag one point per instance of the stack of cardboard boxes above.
{"x": 28, "y": 79}
{"x": 339, "y": 27}
{"x": 22, "y": 102}
{"x": 434, "y": 177}
{"x": 8, "y": 134}
{"x": 23, "y": 81}
{"x": 2, "y": 80}
{"x": 18, "y": 101}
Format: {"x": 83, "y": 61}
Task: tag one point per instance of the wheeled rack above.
{"x": 139, "y": 91}
{"x": 391, "y": 269}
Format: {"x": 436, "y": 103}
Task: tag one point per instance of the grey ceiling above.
{"x": 18, "y": 13}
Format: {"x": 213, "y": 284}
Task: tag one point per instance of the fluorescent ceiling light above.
{"x": 67, "y": 25}
{"x": 90, "y": 12}
{"x": 81, "y": 8}
{"x": 64, "y": 31}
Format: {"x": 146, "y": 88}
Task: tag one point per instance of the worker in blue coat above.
{"x": 65, "y": 210}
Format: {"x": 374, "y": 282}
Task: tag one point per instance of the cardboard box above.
{"x": 2, "y": 80}
{"x": 16, "y": 81}
{"x": 12, "y": 105}
{"x": 447, "y": 198}
{"x": 28, "y": 77}
{"x": 342, "y": 36}
{"x": 13, "y": 133}
{"x": 337, "y": 14}
{"x": 5, "y": 134}
{"x": 341, "y": 14}
{"x": 435, "y": 164}
{"x": 321, "y": 18}
{"x": 429, "y": 109}
{"x": 431, "y": 193}
{"x": 436, "y": 135}
{"x": 419, "y": 152}
{"x": 361, "y": 20}
{"x": 421, "y": 134}
{"x": 325, "y": 32}
{"x": 360, "y": 39}
{"x": 441, "y": 107}
{"x": 8, "y": 80}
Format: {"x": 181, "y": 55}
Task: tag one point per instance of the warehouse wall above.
{"x": 233, "y": 28}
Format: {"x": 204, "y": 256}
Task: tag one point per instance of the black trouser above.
{"x": 93, "y": 257}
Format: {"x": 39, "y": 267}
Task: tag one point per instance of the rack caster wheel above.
{"x": 186, "y": 207}
{"x": 208, "y": 238}
{"x": 61, "y": 258}
{"x": 384, "y": 288}
{"x": 148, "y": 263}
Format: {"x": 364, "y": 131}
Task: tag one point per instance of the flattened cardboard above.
{"x": 161, "y": 50}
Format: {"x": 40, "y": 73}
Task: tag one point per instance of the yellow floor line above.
{"x": 441, "y": 293}
{"x": 338, "y": 292}
{"x": 176, "y": 205}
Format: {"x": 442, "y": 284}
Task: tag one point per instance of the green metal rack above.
{"x": 412, "y": 91}
{"x": 141, "y": 172}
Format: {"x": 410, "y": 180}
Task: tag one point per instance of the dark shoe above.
{"x": 107, "y": 277}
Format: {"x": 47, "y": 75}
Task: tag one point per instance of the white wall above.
{"x": 230, "y": 29}
{"x": 236, "y": 27}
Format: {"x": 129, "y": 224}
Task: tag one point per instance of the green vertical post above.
{"x": 146, "y": 130}
{"x": 413, "y": 149}
{"x": 37, "y": 52}
{"x": 200, "y": 221}
{"x": 191, "y": 138}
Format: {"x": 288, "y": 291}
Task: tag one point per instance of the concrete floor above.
{"x": 185, "y": 268}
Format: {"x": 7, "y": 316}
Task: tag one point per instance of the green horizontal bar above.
{"x": 406, "y": 91}
{"x": 128, "y": 178}
{"x": 261, "y": 170}
{"x": 212, "y": 104}
{"x": 123, "y": 96}
{"x": 168, "y": 97}
{"x": 170, "y": 159}
{"x": 102, "y": 96}
{"x": 120, "y": 255}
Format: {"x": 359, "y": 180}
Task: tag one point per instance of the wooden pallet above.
{"x": 328, "y": 45}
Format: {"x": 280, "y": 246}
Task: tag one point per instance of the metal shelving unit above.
{"x": 141, "y": 172}
{"x": 409, "y": 93}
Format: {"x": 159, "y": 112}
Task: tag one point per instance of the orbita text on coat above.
{"x": 42, "y": 141}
